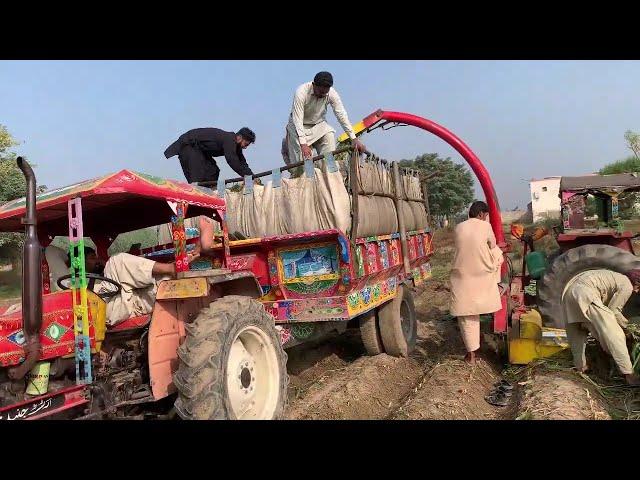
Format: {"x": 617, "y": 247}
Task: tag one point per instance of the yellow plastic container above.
{"x": 38, "y": 379}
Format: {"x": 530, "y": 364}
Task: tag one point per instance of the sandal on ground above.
{"x": 505, "y": 390}
{"x": 504, "y": 385}
{"x": 503, "y": 382}
{"x": 498, "y": 399}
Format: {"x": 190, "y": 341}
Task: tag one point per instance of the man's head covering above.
{"x": 247, "y": 134}
{"x": 323, "y": 79}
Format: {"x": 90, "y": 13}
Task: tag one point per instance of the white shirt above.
{"x": 309, "y": 110}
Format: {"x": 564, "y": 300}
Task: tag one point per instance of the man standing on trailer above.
{"x": 308, "y": 128}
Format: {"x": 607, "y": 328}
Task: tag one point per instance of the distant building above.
{"x": 545, "y": 198}
{"x": 513, "y": 216}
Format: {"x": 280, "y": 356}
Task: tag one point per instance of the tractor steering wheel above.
{"x": 92, "y": 281}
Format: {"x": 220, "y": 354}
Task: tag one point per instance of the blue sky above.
{"x": 523, "y": 119}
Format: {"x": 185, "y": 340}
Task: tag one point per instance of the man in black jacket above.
{"x": 197, "y": 148}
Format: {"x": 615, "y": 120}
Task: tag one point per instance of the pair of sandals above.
{"x": 500, "y": 394}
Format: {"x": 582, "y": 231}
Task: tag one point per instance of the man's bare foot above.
{"x": 470, "y": 358}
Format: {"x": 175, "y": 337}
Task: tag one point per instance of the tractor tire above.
{"x": 398, "y": 324}
{"x": 551, "y": 287}
{"x": 232, "y": 364}
{"x": 370, "y": 333}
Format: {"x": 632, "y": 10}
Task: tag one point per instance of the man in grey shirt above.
{"x": 308, "y": 128}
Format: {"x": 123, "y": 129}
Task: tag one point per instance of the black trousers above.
{"x": 197, "y": 166}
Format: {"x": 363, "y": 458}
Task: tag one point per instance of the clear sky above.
{"x": 523, "y": 119}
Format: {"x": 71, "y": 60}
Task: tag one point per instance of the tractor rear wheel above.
{"x": 398, "y": 324}
{"x": 232, "y": 364}
{"x": 551, "y": 286}
{"x": 370, "y": 333}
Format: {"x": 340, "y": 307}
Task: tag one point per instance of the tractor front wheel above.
{"x": 232, "y": 364}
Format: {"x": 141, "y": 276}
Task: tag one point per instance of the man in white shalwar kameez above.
{"x": 475, "y": 276}
{"x": 308, "y": 128}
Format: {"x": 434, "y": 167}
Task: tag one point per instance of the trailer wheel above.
{"x": 552, "y": 285}
{"x": 398, "y": 324}
{"x": 370, "y": 333}
{"x": 232, "y": 364}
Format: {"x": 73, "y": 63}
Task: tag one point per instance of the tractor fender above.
{"x": 196, "y": 284}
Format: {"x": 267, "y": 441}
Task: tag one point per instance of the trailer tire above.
{"x": 370, "y": 333}
{"x": 232, "y": 364}
{"x": 398, "y": 323}
{"x": 550, "y": 288}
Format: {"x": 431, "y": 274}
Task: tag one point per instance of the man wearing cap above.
{"x": 593, "y": 303}
{"x": 197, "y": 148}
{"x": 307, "y": 128}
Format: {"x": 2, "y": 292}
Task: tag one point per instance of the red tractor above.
{"x": 590, "y": 236}
{"x": 596, "y": 241}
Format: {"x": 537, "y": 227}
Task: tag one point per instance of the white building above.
{"x": 545, "y": 199}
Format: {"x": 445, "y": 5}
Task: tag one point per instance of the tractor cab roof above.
{"x": 604, "y": 183}
{"x": 113, "y": 204}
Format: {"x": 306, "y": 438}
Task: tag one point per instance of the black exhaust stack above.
{"x": 31, "y": 278}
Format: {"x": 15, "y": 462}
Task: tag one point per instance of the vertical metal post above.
{"x": 79, "y": 293}
{"x": 180, "y": 238}
{"x": 425, "y": 194}
{"x": 355, "y": 192}
{"x": 397, "y": 188}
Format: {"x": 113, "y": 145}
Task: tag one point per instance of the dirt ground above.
{"x": 334, "y": 379}
{"x": 545, "y": 398}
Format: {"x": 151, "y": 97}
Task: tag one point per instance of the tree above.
{"x": 12, "y": 186}
{"x": 626, "y": 165}
{"x": 450, "y": 185}
{"x": 633, "y": 142}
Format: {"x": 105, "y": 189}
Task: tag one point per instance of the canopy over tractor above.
{"x": 118, "y": 202}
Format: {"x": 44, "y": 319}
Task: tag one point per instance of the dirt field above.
{"x": 334, "y": 379}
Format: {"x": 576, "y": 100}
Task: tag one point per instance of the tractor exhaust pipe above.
{"x": 31, "y": 278}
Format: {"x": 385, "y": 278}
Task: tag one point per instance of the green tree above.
{"x": 633, "y": 142}
{"x": 450, "y": 184}
{"x": 626, "y": 165}
{"x": 12, "y": 186}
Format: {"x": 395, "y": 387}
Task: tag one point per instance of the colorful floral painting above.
{"x": 309, "y": 262}
{"x": 372, "y": 258}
